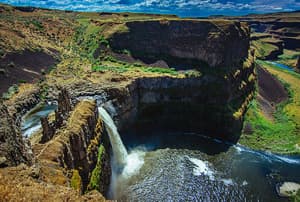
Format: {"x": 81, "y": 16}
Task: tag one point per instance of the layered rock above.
{"x": 61, "y": 114}
{"x": 283, "y": 26}
{"x": 64, "y": 107}
{"x": 70, "y": 157}
{"x": 215, "y": 43}
{"x": 213, "y": 104}
{"x": 13, "y": 148}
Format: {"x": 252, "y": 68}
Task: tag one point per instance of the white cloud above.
{"x": 171, "y": 6}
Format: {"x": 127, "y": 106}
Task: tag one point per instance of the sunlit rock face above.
{"x": 214, "y": 43}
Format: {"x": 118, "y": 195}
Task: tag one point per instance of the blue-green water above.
{"x": 32, "y": 120}
{"x": 191, "y": 167}
{"x": 282, "y": 66}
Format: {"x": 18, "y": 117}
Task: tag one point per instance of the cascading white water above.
{"x": 119, "y": 151}
{"x": 123, "y": 164}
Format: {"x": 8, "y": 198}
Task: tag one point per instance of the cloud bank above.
{"x": 179, "y": 7}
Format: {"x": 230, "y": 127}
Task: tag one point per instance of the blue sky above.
{"x": 179, "y": 7}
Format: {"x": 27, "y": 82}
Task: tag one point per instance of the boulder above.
{"x": 288, "y": 189}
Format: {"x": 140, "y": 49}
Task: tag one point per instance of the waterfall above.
{"x": 119, "y": 150}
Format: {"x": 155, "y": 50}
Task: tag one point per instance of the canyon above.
{"x": 107, "y": 72}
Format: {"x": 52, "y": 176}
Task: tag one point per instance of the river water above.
{"x": 31, "y": 122}
{"x": 190, "y": 167}
{"x": 281, "y": 66}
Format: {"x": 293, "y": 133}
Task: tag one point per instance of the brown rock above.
{"x": 64, "y": 107}
{"x": 298, "y": 64}
{"x": 48, "y": 130}
{"x": 13, "y": 149}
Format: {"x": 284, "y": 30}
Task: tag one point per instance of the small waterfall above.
{"x": 119, "y": 150}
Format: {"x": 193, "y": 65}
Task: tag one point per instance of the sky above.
{"x": 179, "y": 7}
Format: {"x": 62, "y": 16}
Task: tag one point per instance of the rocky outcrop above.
{"x": 48, "y": 130}
{"x": 288, "y": 189}
{"x": 61, "y": 114}
{"x": 64, "y": 107}
{"x": 13, "y": 148}
{"x": 209, "y": 42}
{"x": 75, "y": 149}
{"x": 17, "y": 184}
{"x": 282, "y": 26}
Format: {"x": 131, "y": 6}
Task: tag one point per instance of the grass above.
{"x": 292, "y": 81}
{"x": 95, "y": 180}
{"x": 263, "y": 49}
{"x": 281, "y": 135}
{"x": 289, "y": 57}
{"x": 121, "y": 67}
{"x": 37, "y": 24}
{"x": 87, "y": 38}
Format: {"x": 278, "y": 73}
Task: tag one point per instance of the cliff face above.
{"x": 213, "y": 104}
{"x": 216, "y": 43}
{"x": 13, "y": 148}
{"x": 287, "y": 31}
{"x": 70, "y": 157}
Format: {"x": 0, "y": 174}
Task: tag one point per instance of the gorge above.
{"x": 139, "y": 107}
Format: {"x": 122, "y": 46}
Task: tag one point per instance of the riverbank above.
{"x": 280, "y": 133}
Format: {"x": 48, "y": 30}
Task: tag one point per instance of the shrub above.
{"x": 76, "y": 182}
{"x": 95, "y": 180}
{"x": 22, "y": 81}
{"x": 10, "y": 92}
{"x": 37, "y": 24}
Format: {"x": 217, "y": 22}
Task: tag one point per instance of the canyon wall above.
{"x": 212, "y": 105}
{"x": 13, "y": 148}
{"x": 215, "y": 43}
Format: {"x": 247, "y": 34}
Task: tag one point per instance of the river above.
{"x": 191, "y": 167}
{"x": 31, "y": 122}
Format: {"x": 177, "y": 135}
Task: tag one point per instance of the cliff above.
{"x": 281, "y": 25}
{"x": 13, "y": 148}
{"x": 74, "y": 152}
{"x": 215, "y": 43}
{"x": 195, "y": 104}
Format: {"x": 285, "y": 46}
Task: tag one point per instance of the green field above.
{"x": 282, "y": 134}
